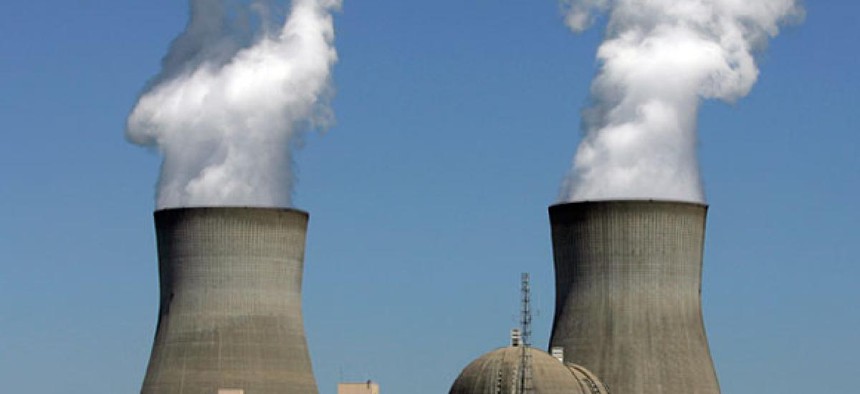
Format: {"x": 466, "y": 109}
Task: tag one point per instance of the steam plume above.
{"x": 659, "y": 58}
{"x": 235, "y": 90}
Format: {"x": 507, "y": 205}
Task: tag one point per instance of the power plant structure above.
{"x": 367, "y": 387}
{"x": 628, "y": 294}
{"x": 230, "y": 315}
{"x": 522, "y": 369}
{"x": 497, "y": 372}
{"x": 628, "y": 313}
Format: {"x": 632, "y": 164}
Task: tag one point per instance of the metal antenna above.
{"x": 524, "y": 385}
{"x": 526, "y": 312}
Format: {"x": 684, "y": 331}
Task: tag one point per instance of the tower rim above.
{"x": 229, "y": 208}
{"x": 624, "y": 201}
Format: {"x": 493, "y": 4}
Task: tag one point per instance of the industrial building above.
{"x": 522, "y": 369}
{"x": 628, "y": 294}
{"x": 628, "y": 313}
{"x": 368, "y": 387}
{"x": 230, "y": 316}
{"x": 627, "y": 317}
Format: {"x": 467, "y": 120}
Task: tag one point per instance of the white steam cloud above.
{"x": 659, "y": 58}
{"x": 236, "y": 89}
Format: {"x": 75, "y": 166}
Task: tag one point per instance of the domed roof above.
{"x": 498, "y": 372}
{"x": 587, "y": 381}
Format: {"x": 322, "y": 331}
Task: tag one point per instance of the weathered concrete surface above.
{"x": 498, "y": 370}
{"x": 230, "y": 315}
{"x": 628, "y": 294}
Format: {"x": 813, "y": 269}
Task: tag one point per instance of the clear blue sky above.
{"x": 456, "y": 123}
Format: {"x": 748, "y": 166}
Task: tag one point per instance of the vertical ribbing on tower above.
{"x": 628, "y": 294}
{"x": 230, "y": 317}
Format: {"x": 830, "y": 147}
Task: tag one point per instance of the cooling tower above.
{"x": 230, "y": 318}
{"x": 628, "y": 294}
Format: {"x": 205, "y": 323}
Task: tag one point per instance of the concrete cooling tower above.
{"x": 230, "y": 318}
{"x": 628, "y": 294}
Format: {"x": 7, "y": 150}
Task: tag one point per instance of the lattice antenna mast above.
{"x": 526, "y": 311}
{"x": 524, "y": 385}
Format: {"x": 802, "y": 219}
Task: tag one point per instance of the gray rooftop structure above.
{"x": 230, "y": 316}
{"x": 628, "y": 294}
{"x": 497, "y": 372}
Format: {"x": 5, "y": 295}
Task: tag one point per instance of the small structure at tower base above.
{"x": 368, "y": 387}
